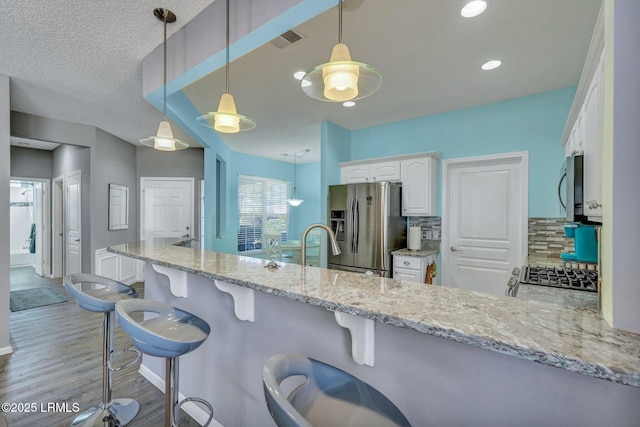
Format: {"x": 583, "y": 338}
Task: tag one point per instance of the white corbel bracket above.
{"x": 177, "y": 280}
{"x": 244, "y": 299}
{"x": 362, "y": 337}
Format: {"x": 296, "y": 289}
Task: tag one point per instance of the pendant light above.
{"x": 295, "y": 201}
{"x": 341, "y": 79}
{"x": 227, "y": 119}
{"x": 164, "y": 140}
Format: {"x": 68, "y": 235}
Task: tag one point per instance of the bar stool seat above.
{"x": 99, "y": 295}
{"x": 168, "y": 332}
{"x": 329, "y": 396}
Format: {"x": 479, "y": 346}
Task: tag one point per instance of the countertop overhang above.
{"x": 563, "y": 337}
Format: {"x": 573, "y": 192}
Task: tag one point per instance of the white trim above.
{"x": 433, "y": 154}
{"x": 57, "y": 226}
{"x": 523, "y": 158}
{"x": 190, "y": 180}
{"x": 46, "y": 220}
{"x": 6, "y": 350}
{"x": 588, "y": 71}
{"x": 192, "y": 409}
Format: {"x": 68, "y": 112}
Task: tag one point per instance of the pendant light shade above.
{"x": 295, "y": 201}
{"x": 341, "y": 79}
{"x": 227, "y": 119}
{"x": 164, "y": 140}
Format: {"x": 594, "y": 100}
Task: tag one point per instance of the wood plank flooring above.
{"x": 57, "y": 358}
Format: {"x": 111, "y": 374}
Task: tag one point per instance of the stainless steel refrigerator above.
{"x": 368, "y": 225}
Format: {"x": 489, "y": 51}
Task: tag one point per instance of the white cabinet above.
{"x": 593, "y": 134}
{"x": 418, "y": 173}
{"x": 370, "y": 172}
{"x": 419, "y": 186}
{"x": 414, "y": 268}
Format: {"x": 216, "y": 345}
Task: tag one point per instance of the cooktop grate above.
{"x": 558, "y": 277}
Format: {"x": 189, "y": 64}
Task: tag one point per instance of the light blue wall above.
{"x": 236, "y": 164}
{"x": 309, "y": 189}
{"x": 335, "y": 142}
{"x": 532, "y": 123}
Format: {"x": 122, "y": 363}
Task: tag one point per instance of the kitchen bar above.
{"x": 433, "y": 346}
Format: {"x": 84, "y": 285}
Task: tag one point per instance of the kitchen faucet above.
{"x": 335, "y": 249}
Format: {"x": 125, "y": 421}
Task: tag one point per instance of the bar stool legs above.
{"x": 110, "y": 413}
{"x": 171, "y": 404}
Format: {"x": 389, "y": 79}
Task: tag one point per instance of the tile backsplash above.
{"x": 546, "y": 235}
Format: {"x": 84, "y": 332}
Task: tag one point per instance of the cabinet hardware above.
{"x": 454, "y": 249}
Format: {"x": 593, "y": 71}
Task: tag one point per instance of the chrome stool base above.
{"x": 119, "y": 413}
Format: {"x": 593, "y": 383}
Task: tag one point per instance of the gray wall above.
{"x": 66, "y": 159}
{"x": 113, "y": 161}
{"x": 30, "y": 163}
{"x": 184, "y": 163}
{"x": 4, "y": 211}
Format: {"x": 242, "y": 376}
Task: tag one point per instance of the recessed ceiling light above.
{"x": 298, "y": 75}
{"x": 348, "y": 104}
{"x": 473, "y": 8}
{"x": 491, "y": 65}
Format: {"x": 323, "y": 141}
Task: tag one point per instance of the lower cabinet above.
{"x": 413, "y": 268}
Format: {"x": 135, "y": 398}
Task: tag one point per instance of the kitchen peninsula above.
{"x": 444, "y": 356}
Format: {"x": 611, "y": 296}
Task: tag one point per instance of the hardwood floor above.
{"x": 57, "y": 358}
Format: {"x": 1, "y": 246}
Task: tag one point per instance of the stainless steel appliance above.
{"x": 573, "y": 200}
{"x": 367, "y": 222}
{"x": 555, "y": 277}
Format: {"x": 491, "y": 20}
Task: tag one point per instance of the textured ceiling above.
{"x": 81, "y": 61}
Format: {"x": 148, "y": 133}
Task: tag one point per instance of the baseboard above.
{"x": 6, "y": 350}
{"x": 192, "y": 409}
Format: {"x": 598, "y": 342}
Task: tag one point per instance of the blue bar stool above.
{"x": 168, "y": 333}
{"x": 100, "y": 294}
{"x": 329, "y": 396}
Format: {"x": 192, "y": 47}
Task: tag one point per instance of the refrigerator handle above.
{"x": 356, "y": 227}
{"x": 350, "y": 225}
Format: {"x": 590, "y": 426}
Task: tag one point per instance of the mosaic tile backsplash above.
{"x": 546, "y": 235}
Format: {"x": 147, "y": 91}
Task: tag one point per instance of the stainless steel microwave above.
{"x": 573, "y": 198}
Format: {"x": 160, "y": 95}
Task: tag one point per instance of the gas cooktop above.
{"x": 559, "y": 277}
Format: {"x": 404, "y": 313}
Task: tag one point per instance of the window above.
{"x": 262, "y": 208}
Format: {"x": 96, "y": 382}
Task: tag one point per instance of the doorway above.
{"x": 484, "y": 220}
{"x": 29, "y": 235}
{"x": 166, "y": 208}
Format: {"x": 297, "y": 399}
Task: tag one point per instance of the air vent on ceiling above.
{"x": 287, "y": 39}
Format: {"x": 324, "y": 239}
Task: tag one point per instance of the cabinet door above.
{"x": 408, "y": 275}
{"x": 385, "y": 171}
{"x": 419, "y": 186}
{"x": 592, "y": 137}
{"x": 354, "y": 174}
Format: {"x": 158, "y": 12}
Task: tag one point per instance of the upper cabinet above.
{"x": 419, "y": 186}
{"x": 417, "y": 172}
{"x": 370, "y": 172}
{"x": 584, "y": 130}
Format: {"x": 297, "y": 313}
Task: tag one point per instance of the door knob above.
{"x": 454, "y": 249}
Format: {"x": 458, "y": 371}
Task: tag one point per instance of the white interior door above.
{"x": 167, "y": 207}
{"x": 484, "y": 214}
{"x": 39, "y": 211}
{"x": 73, "y": 223}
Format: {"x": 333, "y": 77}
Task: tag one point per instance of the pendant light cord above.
{"x": 340, "y": 21}
{"x": 164, "y": 91}
{"x": 227, "y": 64}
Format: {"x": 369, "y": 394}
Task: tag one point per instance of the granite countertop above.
{"x": 551, "y": 334}
{"x": 429, "y": 247}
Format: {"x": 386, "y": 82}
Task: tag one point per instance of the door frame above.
{"x": 189, "y": 180}
{"x": 46, "y": 220}
{"x": 523, "y": 159}
{"x": 57, "y": 227}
